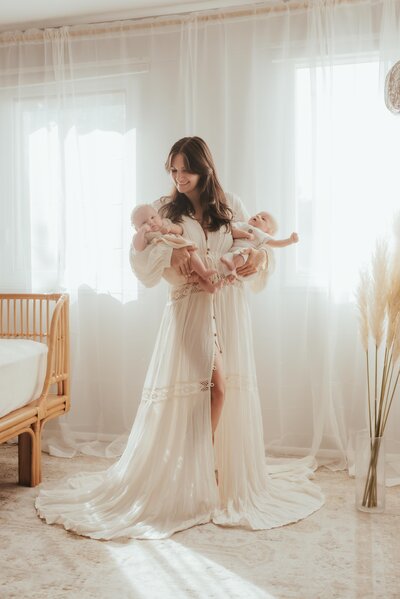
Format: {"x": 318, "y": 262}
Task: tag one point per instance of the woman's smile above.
{"x": 184, "y": 180}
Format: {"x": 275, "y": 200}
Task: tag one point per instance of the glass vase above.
{"x": 370, "y": 472}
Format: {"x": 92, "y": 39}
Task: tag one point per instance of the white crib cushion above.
{"x": 22, "y": 372}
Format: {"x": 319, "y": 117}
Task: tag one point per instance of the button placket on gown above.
{"x": 209, "y": 263}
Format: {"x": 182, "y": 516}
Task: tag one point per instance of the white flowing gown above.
{"x": 165, "y": 480}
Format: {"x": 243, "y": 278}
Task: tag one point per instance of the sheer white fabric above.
{"x": 165, "y": 480}
{"x": 290, "y": 99}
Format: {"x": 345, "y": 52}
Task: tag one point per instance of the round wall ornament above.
{"x": 392, "y": 89}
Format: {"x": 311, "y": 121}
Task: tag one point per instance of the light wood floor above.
{"x": 335, "y": 553}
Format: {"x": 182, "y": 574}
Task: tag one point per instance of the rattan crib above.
{"x": 43, "y": 318}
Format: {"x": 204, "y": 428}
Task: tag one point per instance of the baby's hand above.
{"x": 294, "y": 238}
{"x": 145, "y": 228}
{"x": 164, "y": 230}
{"x": 249, "y": 235}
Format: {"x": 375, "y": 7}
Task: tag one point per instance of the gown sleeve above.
{"x": 149, "y": 264}
{"x": 240, "y": 214}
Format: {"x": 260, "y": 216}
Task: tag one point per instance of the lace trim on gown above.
{"x": 179, "y": 390}
{"x": 178, "y": 293}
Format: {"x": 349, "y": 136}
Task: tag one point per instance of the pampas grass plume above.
{"x": 396, "y": 340}
{"x": 363, "y": 293}
{"x": 378, "y": 292}
{"x": 378, "y": 298}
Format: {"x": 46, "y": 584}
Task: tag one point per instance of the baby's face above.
{"x": 261, "y": 221}
{"x": 147, "y": 215}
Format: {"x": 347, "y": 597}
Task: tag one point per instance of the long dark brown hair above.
{"x": 198, "y": 159}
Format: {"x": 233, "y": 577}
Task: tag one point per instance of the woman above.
{"x": 200, "y": 409}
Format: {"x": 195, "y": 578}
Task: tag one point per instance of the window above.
{"x": 78, "y": 167}
{"x": 347, "y": 147}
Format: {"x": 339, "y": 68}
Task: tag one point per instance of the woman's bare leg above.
{"x": 217, "y": 391}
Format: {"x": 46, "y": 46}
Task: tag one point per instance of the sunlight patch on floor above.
{"x": 168, "y": 569}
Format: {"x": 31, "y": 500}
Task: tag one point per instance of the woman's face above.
{"x": 185, "y": 181}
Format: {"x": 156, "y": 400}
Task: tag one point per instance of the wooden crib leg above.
{"x": 25, "y": 459}
{"x": 27, "y": 468}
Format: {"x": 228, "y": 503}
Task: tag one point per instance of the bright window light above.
{"x": 347, "y": 190}
{"x": 81, "y": 183}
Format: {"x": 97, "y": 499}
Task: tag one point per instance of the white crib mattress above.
{"x": 22, "y": 372}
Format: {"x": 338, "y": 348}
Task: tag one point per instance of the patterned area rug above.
{"x": 335, "y": 553}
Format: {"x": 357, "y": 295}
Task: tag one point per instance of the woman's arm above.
{"x": 261, "y": 260}
{"x": 148, "y": 265}
{"x": 238, "y": 208}
{"x": 180, "y": 257}
{"x": 256, "y": 262}
{"x": 181, "y": 262}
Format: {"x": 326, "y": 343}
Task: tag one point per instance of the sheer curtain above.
{"x": 289, "y": 96}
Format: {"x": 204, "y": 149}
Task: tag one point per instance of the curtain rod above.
{"x": 143, "y": 23}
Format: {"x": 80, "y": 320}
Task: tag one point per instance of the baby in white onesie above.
{"x": 257, "y": 232}
{"x": 151, "y": 228}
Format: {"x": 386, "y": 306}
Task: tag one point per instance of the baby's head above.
{"x": 145, "y": 214}
{"x": 264, "y": 221}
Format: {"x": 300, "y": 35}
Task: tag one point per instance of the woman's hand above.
{"x": 256, "y": 261}
{"x": 180, "y": 260}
